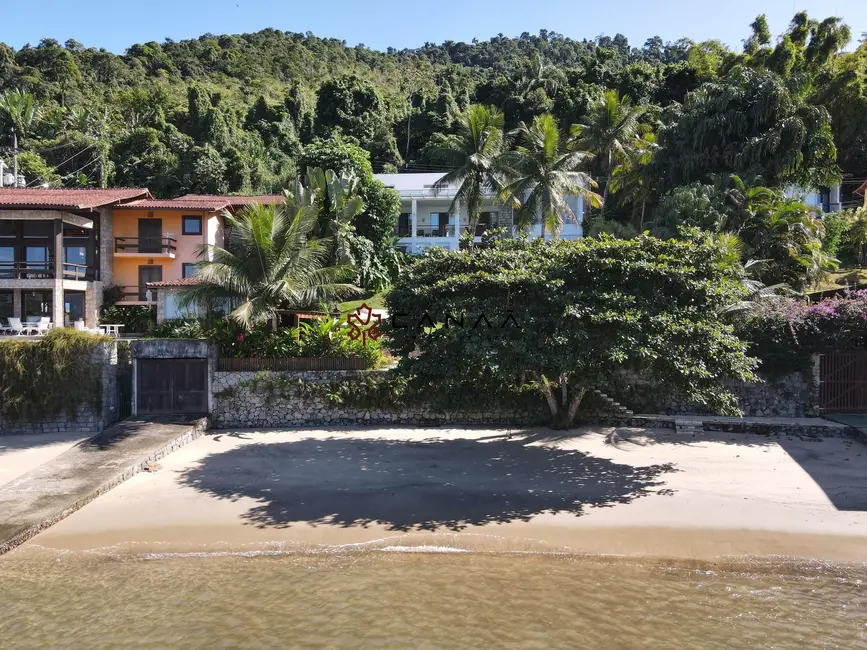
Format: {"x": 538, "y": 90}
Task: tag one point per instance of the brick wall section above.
{"x": 238, "y": 406}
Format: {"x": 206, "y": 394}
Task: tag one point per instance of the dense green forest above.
{"x": 239, "y": 113}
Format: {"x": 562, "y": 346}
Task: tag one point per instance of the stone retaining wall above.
{"x": 86, "y": 421}
{"x": 791, "y": 396}
{"x": 237, "y": 405}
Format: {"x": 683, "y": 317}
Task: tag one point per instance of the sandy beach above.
{"x": 629, "y": 492}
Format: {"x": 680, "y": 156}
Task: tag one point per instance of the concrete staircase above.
{"x": 616, "y": 407}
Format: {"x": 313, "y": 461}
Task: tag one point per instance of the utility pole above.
{"x": 14, "y": 158}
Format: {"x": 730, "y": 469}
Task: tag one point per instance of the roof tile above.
{"x": 70, "y": 199}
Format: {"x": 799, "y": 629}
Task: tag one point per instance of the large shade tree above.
{"x": 582, "y": 313}
{"x": 543, "y": 174}
{"x": 270, "y": 263}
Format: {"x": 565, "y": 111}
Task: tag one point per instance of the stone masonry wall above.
{"x": 791, "y": 396}
{"x": 236, "y": 405}
{"x": 85, "y": 421}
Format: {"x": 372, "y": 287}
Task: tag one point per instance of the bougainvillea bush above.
{"x": 783, "y": 333}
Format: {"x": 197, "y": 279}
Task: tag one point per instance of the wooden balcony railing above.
{"x": 154, "y": 246}
{"x": 134, "y": 293}
{"x": 26, "y": 270}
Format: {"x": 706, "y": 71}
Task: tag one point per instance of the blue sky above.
{"x": 116, "y": 24}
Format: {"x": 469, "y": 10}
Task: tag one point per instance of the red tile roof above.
{"x": 183, "y": 282}
{"x": 69, "y": 199}
{"x": 863, "y": 189}
{"x": 200, "y": 205}
{"x": 235, "y": 201}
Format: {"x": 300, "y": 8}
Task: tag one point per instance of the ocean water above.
{"x": 403, "y": 595}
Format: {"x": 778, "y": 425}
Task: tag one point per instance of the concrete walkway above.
{"x": 45, "y": 495}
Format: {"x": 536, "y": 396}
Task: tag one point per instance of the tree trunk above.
{"x": 607, "y": 183}
{"x": 562, "y": 413}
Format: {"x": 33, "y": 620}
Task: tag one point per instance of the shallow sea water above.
{"x": 411, "y": 596}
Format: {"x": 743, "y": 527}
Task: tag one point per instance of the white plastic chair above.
{"x": 15, "y": 327}
{"x": 42, "y": 326}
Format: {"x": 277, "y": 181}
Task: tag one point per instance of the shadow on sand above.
{"x": 424, "y": 485}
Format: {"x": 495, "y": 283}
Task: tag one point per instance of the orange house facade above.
{"x": 161, "y": 241}
{"x": 158, "y": 243}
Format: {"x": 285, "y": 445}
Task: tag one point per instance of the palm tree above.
{"x": 474, "y": 154}
{"x": 544, "y": 173}
{"x": 613, "y": 130}
{"x": 631, "y": 179}
{"x": 269, "y": 264}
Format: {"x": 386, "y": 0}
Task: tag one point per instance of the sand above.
{"x": 20, "y": 454}
{"x": 628, "y": 492}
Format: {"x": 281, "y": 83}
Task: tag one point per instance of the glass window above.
{"x": 403, "y": 225}
{"x": 73, "y": 306}
{"x": 37, "y": 304}
{"x": 174, "y": 309}
{"x": 7, "y": 259}
{"x": 189, "y": 270}
{"x": 6, "y": 302}
{"x": 192, "y": 225}
{"x": 75, "y": 254}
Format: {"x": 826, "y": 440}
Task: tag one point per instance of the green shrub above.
{"x": 179, "y": 328}
{"x": 55, "y": 374}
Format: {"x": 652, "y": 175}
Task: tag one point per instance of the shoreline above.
{"x": 656, "y": 494}
{"x": 702, "y": 545}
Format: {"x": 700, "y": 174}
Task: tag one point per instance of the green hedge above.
{"x": 56, "y": 374}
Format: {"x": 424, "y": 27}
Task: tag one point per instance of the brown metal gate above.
{"x": 166, "y": 386}
{"x": 843, "y": 382}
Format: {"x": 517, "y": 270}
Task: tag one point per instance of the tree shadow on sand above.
{"x": 424, "y": 485}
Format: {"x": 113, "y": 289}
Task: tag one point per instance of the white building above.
{"x": 426, "y": 220}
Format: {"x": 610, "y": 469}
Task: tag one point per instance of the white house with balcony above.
{"x": 426, "y": 219}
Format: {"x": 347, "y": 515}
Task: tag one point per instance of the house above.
{"x": 427, "y": 221}
{"x": 862, "y": 192}
{"x": 56, "y": 251}
{"x": 159, "y": 242}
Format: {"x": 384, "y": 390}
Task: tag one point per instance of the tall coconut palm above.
{"x": 612, "y": 131}
{"x": 631, "y": 179}
{"x": 474, "y": 154}
{"x": 544, "y": 173}
{"x": 269, "y": 264}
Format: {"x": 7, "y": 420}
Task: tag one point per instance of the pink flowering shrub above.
{"x": 784, "y": 333}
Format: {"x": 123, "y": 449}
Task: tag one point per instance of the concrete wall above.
{"x": 237, "y": 405}
{"x": 86, "y": 421}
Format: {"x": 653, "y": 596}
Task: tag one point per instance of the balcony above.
{"x": 26, "y": 270}
{"x": 136, "y": 295}
{"x": 45, "y": 271}
{"x": 436, "y": 231}
{"x": 164, "y": 246}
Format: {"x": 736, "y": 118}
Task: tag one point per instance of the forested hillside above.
{"x": 233, "y": 113}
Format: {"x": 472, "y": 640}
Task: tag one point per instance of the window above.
{"x": 174, "y": 309}
{"x": 487, "y": 221}
{"x": 37, "y": 304}
{"x": 189, "y": 270}
{"x": 442, "y": 224}
{"x": 73, "y": 306}
{"x": 192, "y": 225}
{"x": 403, "y": 225}
{"x": 6, "y": 301}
